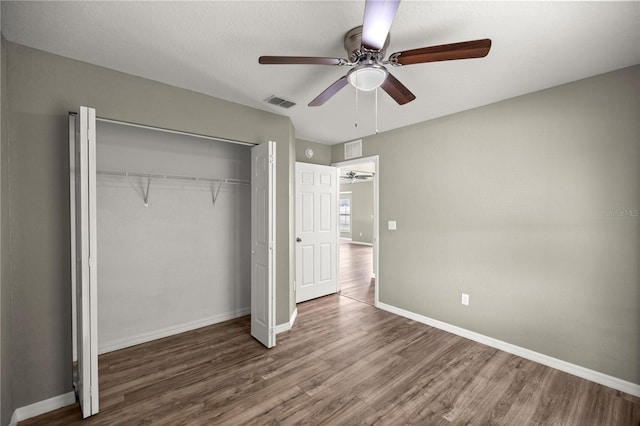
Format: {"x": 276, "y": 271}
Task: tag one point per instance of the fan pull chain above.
{"x": 376, "y": 110}
{"x": 356, "y": 118}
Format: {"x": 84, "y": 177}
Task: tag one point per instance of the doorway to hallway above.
{"x": 358, "y": 219}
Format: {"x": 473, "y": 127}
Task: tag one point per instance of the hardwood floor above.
{"x": 356, "y": 269}
{"x": 343, "y": 363}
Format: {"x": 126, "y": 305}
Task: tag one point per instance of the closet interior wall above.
{"x": 183, "y": 260}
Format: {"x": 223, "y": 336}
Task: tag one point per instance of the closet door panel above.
{"x": 263, "y": 243}
{"x": 82, "y": 148}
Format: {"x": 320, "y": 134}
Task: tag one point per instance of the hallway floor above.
{"x": 356, "y": 272}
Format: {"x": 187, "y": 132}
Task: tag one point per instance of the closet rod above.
{"x": 174, "y": 177}
{"x": 175, "y": 132}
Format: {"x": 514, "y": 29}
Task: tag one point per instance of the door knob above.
{"x": 299, "y": 240}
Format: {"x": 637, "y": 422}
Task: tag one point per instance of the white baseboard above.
{"x": 362, "y": 243}
{"x": 281, "y": 328}
{"x": 114, "y": 345}
{"x": 37, "y": 408}
{"x": 567, "y": 367}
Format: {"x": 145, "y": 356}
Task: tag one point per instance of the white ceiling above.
{"x": 213, "y": 47}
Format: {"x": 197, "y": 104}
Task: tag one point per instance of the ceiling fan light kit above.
{"x": 367, "y": 77}
{"x": 366, "y": 48}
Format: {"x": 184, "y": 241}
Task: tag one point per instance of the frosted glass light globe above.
{"x": 367, "y": 78}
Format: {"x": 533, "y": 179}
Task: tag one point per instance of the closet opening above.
{"x": 173, "y": 224}
{"x": 171, "y": 221}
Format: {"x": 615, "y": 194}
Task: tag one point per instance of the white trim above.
{"x": 281, "y": 328}
{"x": 114, "y": 345}
{"x": 41, "y": 407}
{"x": 361, "y": 243}
{"x": 567, "y": 367}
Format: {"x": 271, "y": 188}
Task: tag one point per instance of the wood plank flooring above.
{"x": 343, "y": 363}
{"x": 356, "y": 269}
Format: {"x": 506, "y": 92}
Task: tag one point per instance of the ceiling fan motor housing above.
{"x": 357, "y": 52}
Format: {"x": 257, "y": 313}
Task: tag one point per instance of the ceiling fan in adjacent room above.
{"x": 366, "y": 48}
{"x": 353, "y": 176}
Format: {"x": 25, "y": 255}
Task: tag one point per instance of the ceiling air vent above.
{"x": 274, "y": 100}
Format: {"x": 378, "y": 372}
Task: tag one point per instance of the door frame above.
{"x": 375, "y": 159}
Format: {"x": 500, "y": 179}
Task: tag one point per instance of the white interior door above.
{"x": 316, "y": 231}
{"x": 82, "y": 156}
{"x": 263, "y": 247}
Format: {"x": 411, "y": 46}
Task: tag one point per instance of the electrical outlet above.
{"x": 465, "y": 299}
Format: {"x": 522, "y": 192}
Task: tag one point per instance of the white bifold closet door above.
{"x": 263, "y": 248}
{"x": 82, "y": 164}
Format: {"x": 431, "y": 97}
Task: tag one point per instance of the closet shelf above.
{"x": 174, "y": 177}
{"x": 149, "y": 176}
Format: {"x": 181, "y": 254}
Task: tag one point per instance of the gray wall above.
{"x": 321, "y": 153}
{"x": 41, "y": 89}
{"x": 529, "y": 206}
{"x": 6, "y": 401}
{"x": 361, "y": 211}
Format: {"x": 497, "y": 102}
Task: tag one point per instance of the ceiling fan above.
{"x": 366, "y": 46}
{"x": 353, "y": 176}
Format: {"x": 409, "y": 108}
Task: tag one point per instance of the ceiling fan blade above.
{"x": 378, "y": 16}
{"x": 397, "y": 90}
{"x": 444, "y": 52}
{"x": 300, "y": 60}
{"x": 330, "y": 91}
